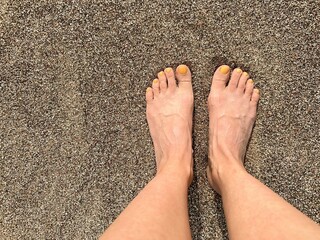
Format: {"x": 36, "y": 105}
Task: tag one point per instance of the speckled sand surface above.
{"x": 75, "y": 147}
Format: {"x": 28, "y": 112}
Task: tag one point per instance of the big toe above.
{"x": 220, "y": 78}
{"x": 183, "y": 75}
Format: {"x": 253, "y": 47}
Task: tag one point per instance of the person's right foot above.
{"x": 232, "y": 113}
{"x": 169, "y": 115}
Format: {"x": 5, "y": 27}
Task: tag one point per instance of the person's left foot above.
{"x": 169, "y": 115}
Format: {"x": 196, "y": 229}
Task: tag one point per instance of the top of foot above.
{"x": 169, "y": 115}
{"x": 232, "y": 107}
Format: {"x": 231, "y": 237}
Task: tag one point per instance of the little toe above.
{"x": 156, "y": 87}
{"x": 220, "y": 78}
{"x": 242, "y": 82}
{"x": 172, "y": 84}
{"x": 162, "y": 81}
{"x": 149, "y": 94}
{"x": 249, "y": 87}
{"x": 183, "y": 74}
{"x": 235, "y": 76}
{"x": 254, "y": 102}
{"x": 255, "y": 96}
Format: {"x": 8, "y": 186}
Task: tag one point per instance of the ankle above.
{"x": 222, "y": 173}
{"x": 174, "y": 169}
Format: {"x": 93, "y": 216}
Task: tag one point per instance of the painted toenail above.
{"x": 161, "y": 73}
{"x": 256, "y": 91}
{"x": 167, "y": 70}
{"x": 238, "y": 70}
{"x": 250, "y": 81}
{"x": 245, "y": 74}
{"x": 224, "y": 69}
{"x": 149, "y": 89}
{"x": 155, "y": 81}
{"x": 182, "y": 69}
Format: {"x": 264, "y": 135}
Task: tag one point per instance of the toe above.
{"x": 156, "y": 87}
{"x": 242, "y": 82}
{"x": 183, "y": 74}
{"x": 254, "y": 102}
{"x": 249, "y": 88}
{"x": 220, "y": 78}
{"x": 172, "y": 84}
{"x": 162, "y": 81}
{"x": 149, "y": 94}
{"x": 235, "y": 76}
{"x": 255, "y": 96}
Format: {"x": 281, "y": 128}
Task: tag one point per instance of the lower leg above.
{"x": 252, "y": 210}
{"x": 160, "y": 211}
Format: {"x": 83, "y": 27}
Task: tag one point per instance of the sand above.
{"x": 75, "y": 147}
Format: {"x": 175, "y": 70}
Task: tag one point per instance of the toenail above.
{"x": 256, "y": 91}
{"x": 245, "y": 74}
{"x": 224, "y": 69}
{"x": 167, "y": 70}
{"x": 148, "y": 89}
{"x": 161, "y": 73}
{"x": 155, "y": 81}
{"x": 238, "y": 70}
{"x": 250, "y": 81}
{"x": 182, "y": 69}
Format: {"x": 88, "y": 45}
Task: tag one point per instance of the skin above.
{"x": 252, "y": 210}
{"x": 160, "y": 210}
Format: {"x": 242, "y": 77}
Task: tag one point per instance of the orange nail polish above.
{"x": 245, "y": 74}
{"x": 149, "y": 89}
{"x": 238, "y": 70}
{"x": 167, "y": 70}
{"x": 224, "y": 69}
{"x": 155, "y": 81}
{"x": 182, "y": 69}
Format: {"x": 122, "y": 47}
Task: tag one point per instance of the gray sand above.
{"x": 75, "y": 147}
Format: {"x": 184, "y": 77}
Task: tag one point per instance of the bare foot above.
{"x": 232, "y": 113}
{"x": 169, "y": 115}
